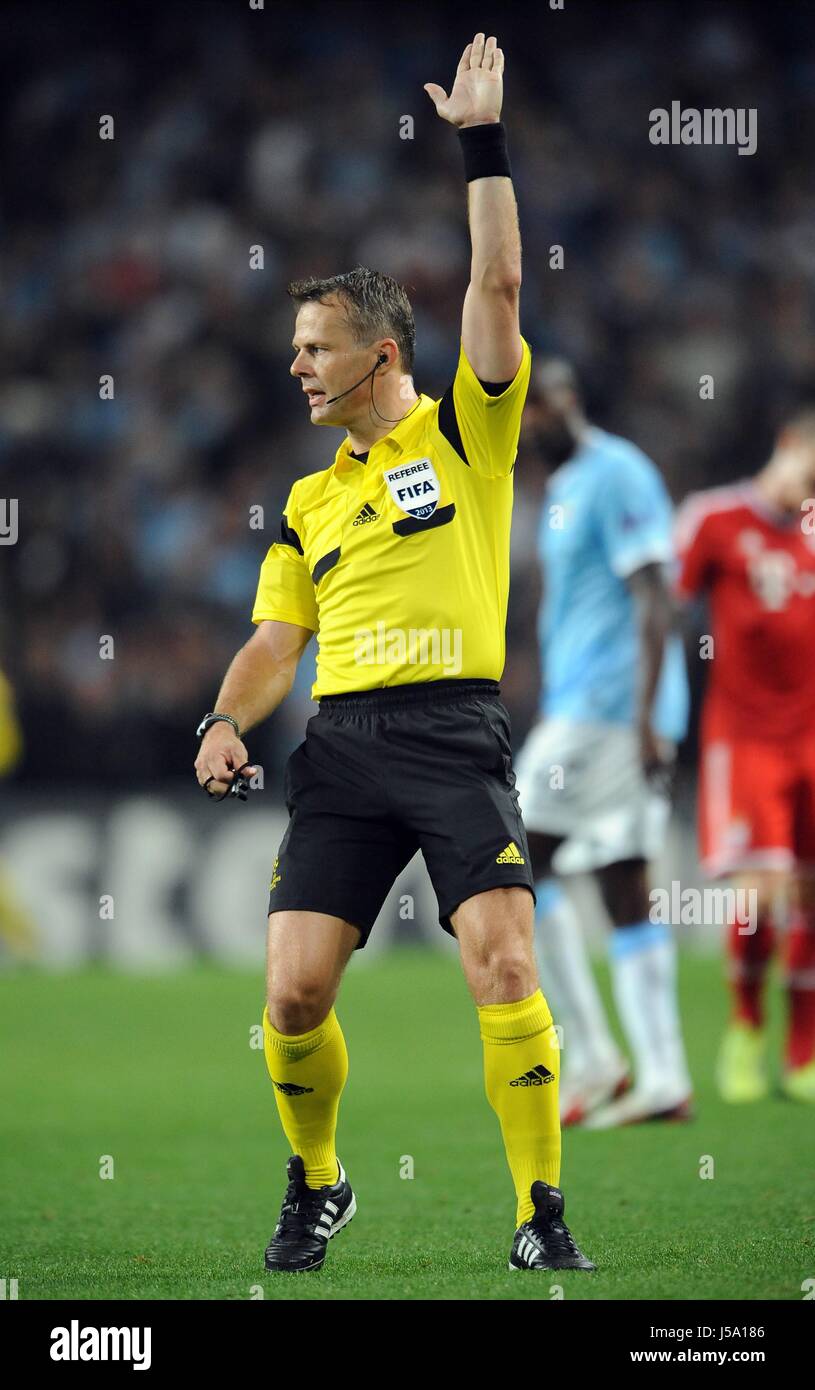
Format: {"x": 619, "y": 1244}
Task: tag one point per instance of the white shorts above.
{"x": 585, "y": 783}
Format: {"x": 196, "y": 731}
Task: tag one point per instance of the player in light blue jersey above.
{"x": 593, "y": 775}
{"x": 607, "y": 515}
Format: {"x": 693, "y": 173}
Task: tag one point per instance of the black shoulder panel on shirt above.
{"x": 412, "y": 524}
{"x": 448, "y": 424}
{"x": 288, "y": 535}
{"x": 323, "y": 566}
{"x": 495, "y": 388}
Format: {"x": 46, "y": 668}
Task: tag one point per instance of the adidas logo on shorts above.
{"x": 538, "y": 1076}
{"x": 367, "y": 514}
{"x": 510, "y": 855}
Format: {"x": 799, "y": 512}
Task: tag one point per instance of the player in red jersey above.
{"x": 750, "y": 548}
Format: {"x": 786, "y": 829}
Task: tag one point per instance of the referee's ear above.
{"x": 386, "y": 354}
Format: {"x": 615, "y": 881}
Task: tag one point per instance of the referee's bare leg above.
{"x": 306, "y": 954}
{"x": 496, "y": 935}
{"x": 495, "y": 931}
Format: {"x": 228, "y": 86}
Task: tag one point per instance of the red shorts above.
{"x": 756, "y": 800}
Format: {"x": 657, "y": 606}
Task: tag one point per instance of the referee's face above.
{"x": 328, "y": 361}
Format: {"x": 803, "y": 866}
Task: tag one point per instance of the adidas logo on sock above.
{"x": 367, "y": 514}
{"x": 538, "y": 1076}
{"x": 510, "y": 855}
{"x": 289, "y": 1089}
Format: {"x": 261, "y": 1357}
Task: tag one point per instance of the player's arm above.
{"x": 655, "y": 620}
{"x": 634, "y": 519}
{"x": 490, "y": 333}
{"x": 695, "y": 548}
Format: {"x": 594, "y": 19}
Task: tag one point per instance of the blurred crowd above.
{"x": 234, "y": 129}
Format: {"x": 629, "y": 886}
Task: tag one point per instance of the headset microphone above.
{"x": 381, "y": 359}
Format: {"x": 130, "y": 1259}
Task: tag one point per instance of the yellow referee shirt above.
{"x": 401, "y": 563}
{"x": 11, "y": 739}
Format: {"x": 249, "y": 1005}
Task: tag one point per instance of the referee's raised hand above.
{"x": 478, "y": 90}
{"x": 220, "y": 756}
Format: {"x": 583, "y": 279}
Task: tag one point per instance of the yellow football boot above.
{"x": 799, "y": 1083}
{"x": 741, "y": 1067}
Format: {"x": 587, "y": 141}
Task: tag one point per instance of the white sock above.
{"x": 643, "y": 972}
{"x": 569, "y": 985}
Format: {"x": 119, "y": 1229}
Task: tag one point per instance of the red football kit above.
{"x": 757, "y": 773}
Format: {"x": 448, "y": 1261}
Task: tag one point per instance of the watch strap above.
{"x": 210, "y": 719}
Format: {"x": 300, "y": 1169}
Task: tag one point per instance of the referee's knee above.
{"x": 500, "y": 973}
{"x": 297, "y": 1006}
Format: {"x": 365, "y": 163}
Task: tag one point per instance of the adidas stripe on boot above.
{"x": 309, "y": 1217}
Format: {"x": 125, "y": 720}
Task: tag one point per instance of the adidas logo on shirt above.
{"x": 510, "y": 855}
{"x": 289, "y": 1089}
{"x": 367, "y": 514}
{"x": 538, "y": 1076}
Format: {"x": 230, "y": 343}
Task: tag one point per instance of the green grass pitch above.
{"x": 159, "y": 1074}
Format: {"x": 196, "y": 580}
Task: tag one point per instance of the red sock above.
{"x": 748, "y": 957}
{"x": 800, "y": 981}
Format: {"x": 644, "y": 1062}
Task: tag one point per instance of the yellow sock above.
{"x": 309, "y": 1071}
{"x": 520, "y": 1043}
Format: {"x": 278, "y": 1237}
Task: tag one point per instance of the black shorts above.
{"x": 385, "y": 773}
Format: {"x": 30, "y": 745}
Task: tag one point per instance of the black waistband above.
{"x": 422, "y": 693}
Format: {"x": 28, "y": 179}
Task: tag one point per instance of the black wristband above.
{"x": 485, "y": 151}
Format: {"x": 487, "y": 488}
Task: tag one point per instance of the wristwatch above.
{"x": 210, "y": 719}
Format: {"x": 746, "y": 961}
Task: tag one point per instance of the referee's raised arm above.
{"x": 490, "y": 330}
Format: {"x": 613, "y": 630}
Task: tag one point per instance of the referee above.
{"x": 397, "y": 556}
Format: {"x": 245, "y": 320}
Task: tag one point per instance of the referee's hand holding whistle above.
{"x": 220, "y": 756}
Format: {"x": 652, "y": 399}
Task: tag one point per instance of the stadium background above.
{"x": 131, "y": 257}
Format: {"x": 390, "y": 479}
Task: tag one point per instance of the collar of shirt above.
{"x": 390, "y": 445}
{"x": 763, "y": 507}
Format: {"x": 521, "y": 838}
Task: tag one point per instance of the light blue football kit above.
{"x": 605, "y": 515}
{"x": 580, "y": 777}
